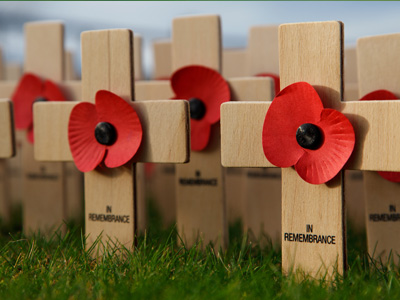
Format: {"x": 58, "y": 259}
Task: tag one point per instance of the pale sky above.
{"x": 153, "y": 19}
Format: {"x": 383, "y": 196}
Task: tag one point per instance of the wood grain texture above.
{"x": 7, "y": 88}
{"x": 153, "y": 90}
{"x": 312, "y": 52}
{"x": 13, "y": 71}
{"x": 137, "y": 57}
{"x": 7, "y": 141}
{"x": 201, "y": 214}
{"x": 233, "y": 63}
{"x": 379, "y": 54}
{"x": 164, "y": 126}
{"x": 107, "y": 64}
{"x": 45, "y": 195}
{"x": 44, "y": 200}
{"x": 69, "y": 69}
{"x": 251, "y": 89}
{"x": 262, "y": 187}
{"x": 196, "y": 40}
{"x": 262, "y": 50}
{"x": 44, "y": 49}
{"x": 14, "y": 170}
{"x": 160, "y": 183}
{"x": 350, "y": 65}
{"x": 162, "y": 56}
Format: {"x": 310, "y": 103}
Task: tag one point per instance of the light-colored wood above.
{"x": 251, "y": 89}
{"x": 379, "y": 54}
{"x": 44, "y": 198}
{"x": 112, "y": 191}
{"x": 354, "y": 186}
{"x": 14, "y": 171}
{"x": 312, "y": 52}
{"x": 262, "y": 50}
{"x": 7, "y": 150}
{"x": 196, "y": 40}
{"x": 69, "y": 70}
{"x": 160, "y": 184}
{"x": 153, "y": 90}
{"x": 262, "y": 219}
{"x": 368, "y": 119}
{"x": 307, "y": 51}
{"x": 233, "y": 62}
{"x": 13, "y": 71}
{"x": 137, "y": 57}
{"x": 107, "y": 64}
{"x": 350, "y": 65}
{"x": 7, "y": 145}
{"x": 162, "y": 67}
{"x": 44, "y": 50}
{"x": 7, "y": 88}
{"x": 164, "y": 126}
{"x": 201, "y": 211}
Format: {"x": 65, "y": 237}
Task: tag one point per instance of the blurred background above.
{"x": 152, "y": 20}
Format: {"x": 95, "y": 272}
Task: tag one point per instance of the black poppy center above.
{"x": 197, "y": 108}
{"x": 105, "y": 133}
{"x": 309, "y": 136}
{"x": 40, "y": 99}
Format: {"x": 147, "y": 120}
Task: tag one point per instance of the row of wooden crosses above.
{"x": 190, "y": 121}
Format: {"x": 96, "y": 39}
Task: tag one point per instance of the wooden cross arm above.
{"x": 165, "y": 131}
{"x": 375, "y": 124}
{"x": 242, "y": 89}
{"x": 7, "y": 144}
{"x": 7, "y": 88}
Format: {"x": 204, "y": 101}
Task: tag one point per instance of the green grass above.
{"x": 60, "y": 268}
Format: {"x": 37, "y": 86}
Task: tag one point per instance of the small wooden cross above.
{"x": 44, "y": 193}
{"x": 379, "y": 66}
{"x": 354, "y": 183}
{"x": 312, "y": 52}
{"x": 262, "y": 186}
{"x": 7, "y": 150}
{"x": 107, "y": 63}
{"x": 233, "y": 62}
{"x": 201, "y": 209}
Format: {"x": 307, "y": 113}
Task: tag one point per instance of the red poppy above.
{"x": 206, "y": 90}
{"x": 30, "y": 89}
{"x": 384, "y": 95}
{"x": 277, "y": 81}
{"x": 299, "y": 131}
{"x": 108, "y": 132}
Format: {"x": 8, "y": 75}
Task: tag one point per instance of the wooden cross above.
{"x": 107, "y": 63}
{"x": 44, "y": 193}
{"x": 354, "y": 183}
{"x": 262, "y": 186}
{"x": 378, "y": 64}
{"x": 7, "y": 150}
{"x": 233, "y": 62}
{"x": 312, "y": 52}
{"x": 201, "y": 209}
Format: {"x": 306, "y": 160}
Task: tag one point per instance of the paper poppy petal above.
{"x": 277, "y": 81}
{"x": 199, "y": 134}
{"x": 116, "y": 111}
{"x": 203, "y": 83}
{"x": 295, "y": 105}
{"x": 321, "y": 165}
{"x": 85, "y": 149}
{"x": 52, "y": 92}
{"x": 384, "y": 95}
{"x": 28, "y": 89}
